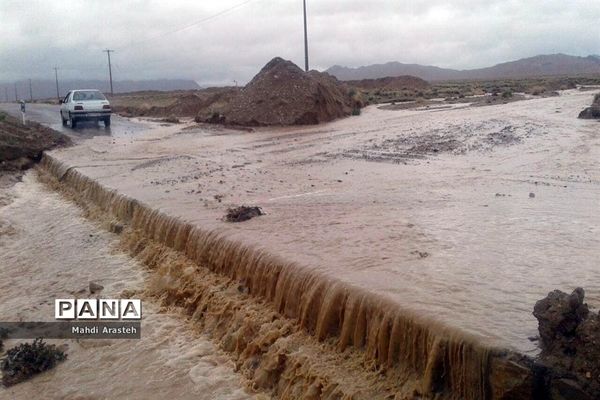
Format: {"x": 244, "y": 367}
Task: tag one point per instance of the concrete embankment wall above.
{"x": 412, "y": 356}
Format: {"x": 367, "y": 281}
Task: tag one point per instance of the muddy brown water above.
{"x": 462, "y": 217}
{"x": 49, "y": 250}
{"x": 447, "y": 231}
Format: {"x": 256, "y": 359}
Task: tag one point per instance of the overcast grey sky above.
{"x": 38, "y": 34}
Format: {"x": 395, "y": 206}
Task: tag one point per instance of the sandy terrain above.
{"x": 467, "y": 216}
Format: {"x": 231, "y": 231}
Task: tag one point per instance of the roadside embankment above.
{"x": 22, "y": 145}
{"x": 293, "y": 331}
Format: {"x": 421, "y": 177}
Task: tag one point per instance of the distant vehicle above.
{"x": 84, "y": 105}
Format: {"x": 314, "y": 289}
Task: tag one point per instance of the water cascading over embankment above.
{"x": 444, "y": 362}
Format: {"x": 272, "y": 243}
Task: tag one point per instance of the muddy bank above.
{"x": 22, "y": 145}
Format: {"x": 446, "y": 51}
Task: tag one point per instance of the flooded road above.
{"x": 464, "y": 216}
{"x": 49, "y": 115}
{"x": 50, "y": 251}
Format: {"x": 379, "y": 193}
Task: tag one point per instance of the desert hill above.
{"x": 542, "y": 65}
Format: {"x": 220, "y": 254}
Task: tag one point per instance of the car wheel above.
{"x": 107, "y": 122}
{"x": 73, "y": 121}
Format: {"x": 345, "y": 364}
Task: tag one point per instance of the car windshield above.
{"x": 83, "y": 95}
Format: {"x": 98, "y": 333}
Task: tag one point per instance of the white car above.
{"x": 84, "y": 105}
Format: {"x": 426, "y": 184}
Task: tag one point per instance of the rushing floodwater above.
{"x": 466, "y": 216}
{"x": 49, "y": 251}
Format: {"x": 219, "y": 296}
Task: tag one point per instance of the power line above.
{"x": 205, "y": 19}
{"x": 56, "y": 77}
{"x": 305, "y": 39}
{"x": 108, "y": 51}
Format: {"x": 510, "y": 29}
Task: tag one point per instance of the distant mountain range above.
{"x": 542, "y": 65}
{"x": 43, "y": 89}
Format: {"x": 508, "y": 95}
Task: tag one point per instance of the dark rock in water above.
{"x": 590, "y": 113}
{"x": 243, "y": 213}
{"x": 29, "y": 359}
{"x": 570, "y": 341}
{"x": 95, "y": 288}
{"x": 559, "y": 315}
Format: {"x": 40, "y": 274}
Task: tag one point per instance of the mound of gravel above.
{"x": 283, "y": 94}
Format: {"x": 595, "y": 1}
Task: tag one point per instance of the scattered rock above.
{"x": 243, "y": 213}
{"x": 95, "y": 287}
{"x": 531, "y": 195}
{"x": 421, "y": 254}
{"x": 29, "y": 359}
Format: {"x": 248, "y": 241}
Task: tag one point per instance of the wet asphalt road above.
{"x": 48, "y": 114}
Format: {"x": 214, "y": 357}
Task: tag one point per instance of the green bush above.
{"x": 356, "y": 111}
{"x": 29, "y": 359}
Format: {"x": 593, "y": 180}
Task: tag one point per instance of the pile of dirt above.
{"x": 592, "y": 112}
{"x": 283, "y": 94}
{"x": 29, "y": 359}
{"x": 22, "y": 145}
{"x": 570, "y": 338}
{"x": 405, "y": 82}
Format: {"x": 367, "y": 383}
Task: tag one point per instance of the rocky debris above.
{"x": 570, "y": 342}
{"x": 283, "y": 94}
{"x": 404, "y": 82}
{"x": 592, "y": 112}
{"x": 243, "y": 213}
{"x": 22, "y": 145}
{"x": 95, "y": 287}
{"x": 29, "y": 359}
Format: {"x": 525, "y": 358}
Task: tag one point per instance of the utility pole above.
{"x": 109, "y": 70}
{"x": 305, "y": 39}
{"x": 56, "y": 77}
{"x": 16, "y": 93}
{"x": 30, "y": 92}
